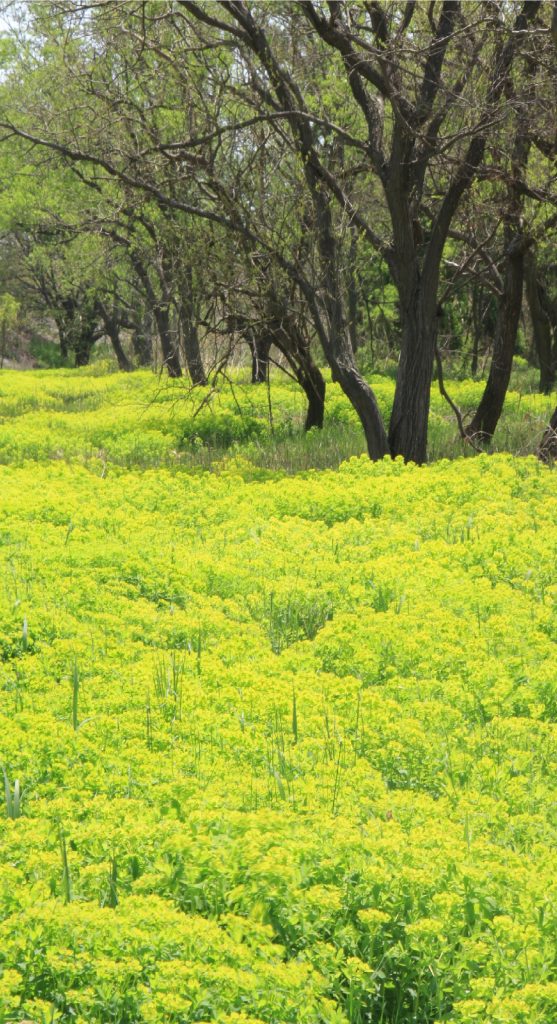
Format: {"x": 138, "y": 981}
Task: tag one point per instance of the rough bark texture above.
{"x": 410, "y": 413}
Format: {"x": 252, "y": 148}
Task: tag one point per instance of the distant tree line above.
{"x": 313, "y": 183}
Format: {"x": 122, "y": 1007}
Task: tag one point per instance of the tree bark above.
{"x": 170, "y": 356}
{"x": 190, "y": 334}
{"x": 142, "y": 342}
{"x": 113, "y": 331}
{"x": 352, "y": 292}
{"x": 488, "y": 413}
{"x": 63, "y": 338}
{"x": 541, "y": 325}
{"x": 82, "y": 346}
{"x": 312, "y": 381}
{"x": 260, "y": 347}
{"x": 410, "y": 413}
{"x": 290, "y": 342}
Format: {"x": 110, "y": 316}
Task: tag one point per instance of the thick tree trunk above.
{"x": 488, "y": 413}
{"x": 541, "y": 326}
{"x": 170, "y": 356}
{"x": 410, "y": 413}
{"x": 82, "y": 334}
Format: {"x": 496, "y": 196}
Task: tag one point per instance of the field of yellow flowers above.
{"x": 276, "y": 748}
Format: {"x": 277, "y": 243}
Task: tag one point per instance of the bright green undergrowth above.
{"x": 275, "y": 748}
{"x": 139, "y": 420}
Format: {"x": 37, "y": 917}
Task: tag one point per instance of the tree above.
{"x": 305, "y": 131}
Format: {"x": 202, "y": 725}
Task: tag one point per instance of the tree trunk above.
{"x": 113, "y": 331}
{"x": 541, "y": 326}
{"x": 312, "y": 381}
{"x": 82, "y": 347}
{"x": 410, "y": 413}
{"x": 170, "y": 357}
{"x": 477, "y": 327}
{"x": 142, "y": 342}
{"x": 307, "y": 374}
{"x": 352, "y": 292}
{"x": 260, "y": 345}
{"x": 336, "y": 345}
{"x": 362, "y": 398}
{"x": 63, "y": 337}
{"x": 190, "y": 334}
{"x": 548, "y": 446}
{"x": 488, "y": 413}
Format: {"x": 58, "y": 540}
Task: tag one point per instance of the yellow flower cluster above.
{"x": 286, "y": 746}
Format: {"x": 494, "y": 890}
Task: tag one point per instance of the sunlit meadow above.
{"x": 278, "y": 744}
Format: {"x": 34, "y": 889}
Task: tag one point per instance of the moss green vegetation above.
{"x": 276, "y": 748}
